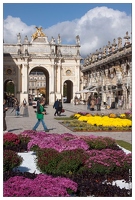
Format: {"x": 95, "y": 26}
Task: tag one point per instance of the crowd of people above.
{"x": 93, "y": 101}
{"x": 40, "y": 111}
{"x": 12, "y": 102}
{"x": 58, "y": 107}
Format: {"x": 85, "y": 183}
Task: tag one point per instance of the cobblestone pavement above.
{"x": 27, "y": 120}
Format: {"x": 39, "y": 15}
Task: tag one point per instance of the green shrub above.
{"x": 101, "y": 143}
{"x": 47, "y": 160}
{"x": 51, "y": 161}
{"x": 72, "y": 161}
{"x": 10, "y": 160}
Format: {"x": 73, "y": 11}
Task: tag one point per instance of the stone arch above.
{"x": 68, "y": 90}
{"x": 9, "y": 88}
{"x": 46, "y": 73}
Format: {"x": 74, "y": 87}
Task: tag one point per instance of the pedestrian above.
{"x": 40, "y": 116}
{"x": 120, "y": 104}
{"x": 60, "y": 107}
{"x": 24, "y": 102}
{"x": 75, "y": 100}
{"x": 108, "y": 102}
{"x": 5, "y": 108}
{"x": 10, "y": 101}
{"x": 88, "y": 103}
{"x": 56, "y": 105}
{"x": 92, "y": 104}
{"x": 17, "y": 109}
{"x": 116, "y": 102}
{"x": 98, "y": 103}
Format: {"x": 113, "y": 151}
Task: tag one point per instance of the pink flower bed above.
{"x": 42, "y": 186}
{"x": 58, "y": 142}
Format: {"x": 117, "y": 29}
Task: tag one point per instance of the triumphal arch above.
{"x": 60, "y": 63}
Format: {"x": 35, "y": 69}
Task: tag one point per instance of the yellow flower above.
{"x": 77, "y": 115}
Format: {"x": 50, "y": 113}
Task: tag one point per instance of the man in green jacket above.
{"x": 40, "y": 116}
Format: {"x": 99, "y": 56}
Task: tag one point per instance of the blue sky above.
{"x": 48, "y": 14}
{"x": 95, "y": 23}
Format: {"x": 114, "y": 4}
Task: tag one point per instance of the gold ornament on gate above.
{"x": 38, "y": 33}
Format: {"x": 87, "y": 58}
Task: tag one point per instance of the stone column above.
{"x": 25, "y": 79}
{"x": 24, "y": 93}
{"x": 106, "y": 73}
{"x": 124, "y": 97}
{"x": 130, "y": 96}
{"x": 52, "y": 79}
{"x": 77, "y": 74}
{"x": 18, "y": 79}
{"x": 18, "y": 82}
{"x": 58, "y": 81}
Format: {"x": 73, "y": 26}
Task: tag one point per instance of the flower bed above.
{"x": 89, "y": 162}
{"x": 41, "y": 186}
{"x": 89, "y": 122}
{"x": 15, "y": 142}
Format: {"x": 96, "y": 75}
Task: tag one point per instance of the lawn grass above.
{"x": 63, "y": 118}
{"x": 124, "y": 144}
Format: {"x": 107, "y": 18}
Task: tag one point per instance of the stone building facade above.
{"x": 60, "y": 64}
{"x": 37, "y": 84}
{"x": 109, "y": 71}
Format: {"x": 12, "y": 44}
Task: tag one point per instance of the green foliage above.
{"x": 35, "y": 148}
{"x": 10, "y": 160}
{"x": 66, "y": 162}
{"x": 101, "y": 143}
{"x": 98, "y": 168}
{"x": 72, "y": 161}
{"x": 47, "y": 160}
{"x": 63, "y": 118}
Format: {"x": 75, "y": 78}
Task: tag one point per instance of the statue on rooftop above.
{"x": 77, "y": 40}
{"x": 19, "y": 38}
{"x": 38, "y": 33}
{"x": 59, "y": 39}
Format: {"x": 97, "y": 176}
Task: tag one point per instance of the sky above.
{"x": 95, "y": 23}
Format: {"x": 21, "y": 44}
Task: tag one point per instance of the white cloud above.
{"x": 95, "y": 28}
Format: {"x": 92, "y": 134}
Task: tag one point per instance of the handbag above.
{"x": 62, "y": 110}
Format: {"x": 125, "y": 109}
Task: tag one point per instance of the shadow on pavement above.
{"x": 14, "y": 129}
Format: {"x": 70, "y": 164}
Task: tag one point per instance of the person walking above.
{"x": 40, "y": 116}
{"x": 60, "y": 107}
{"x": 120, "y": 103}
{"x": 24, "y": 102}
{"x": 17, "y": 109}
{"x": 98, "y": 103}
{"x": 92, "y": 104}
{"x": 116, "y": 102}
{"x": 5, "y": 108}
{"x": 56, "y": 106}
{"x": 88, "y": 103}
